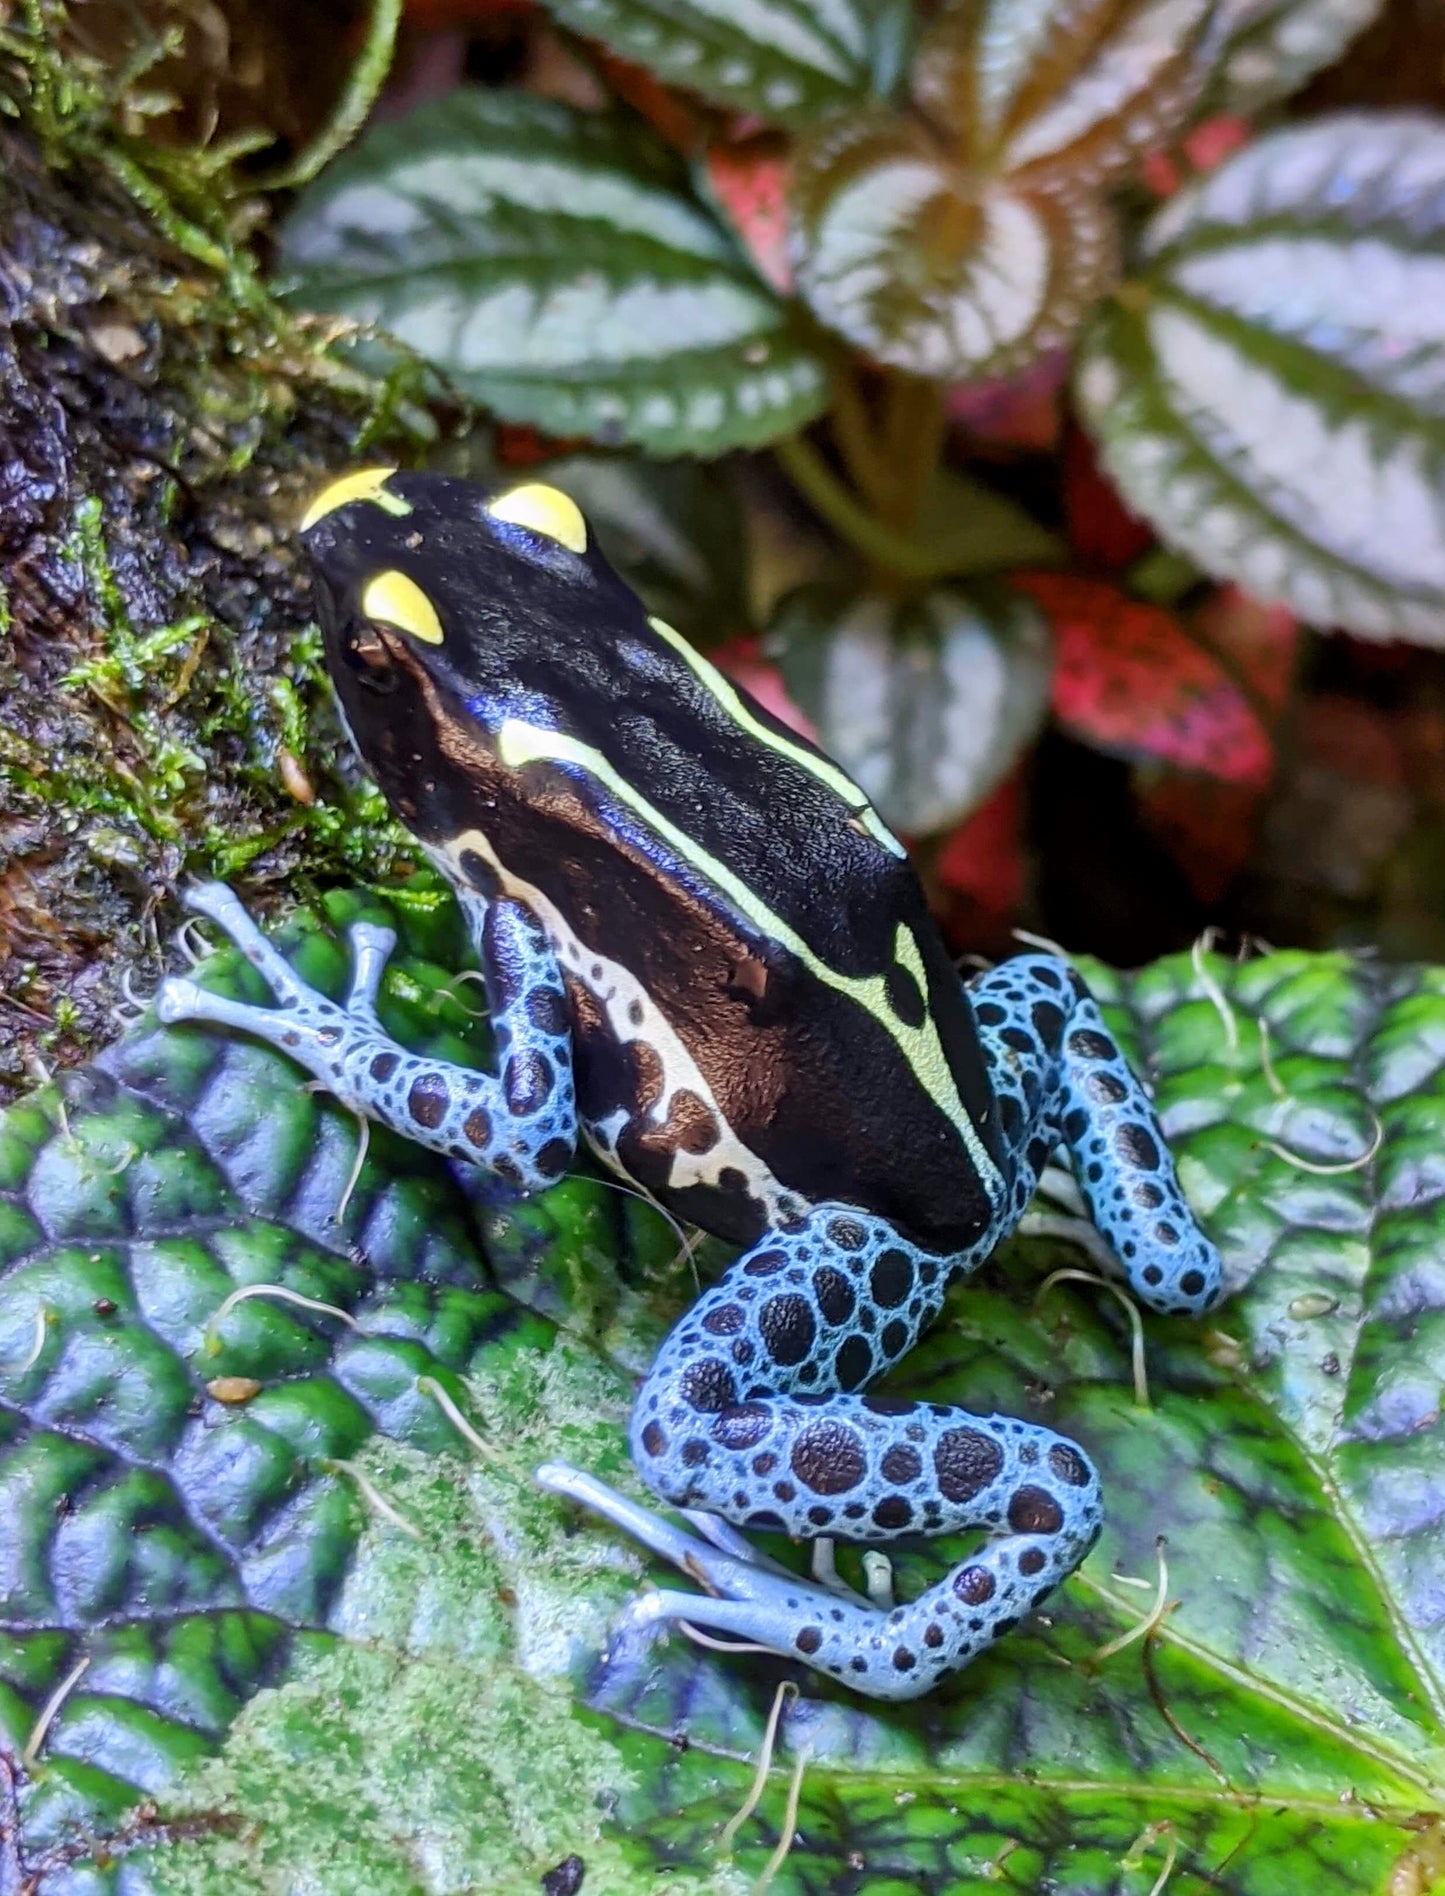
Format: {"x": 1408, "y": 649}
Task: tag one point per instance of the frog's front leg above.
{"x": 520, "y": 1123}
{"x": 750, "y": 1413}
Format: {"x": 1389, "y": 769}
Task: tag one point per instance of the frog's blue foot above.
{"x": 749, "y": 1414}
{"x": 520, "y": 1124}
{"x": 1058, "y": 1074}
{"x": 894, "y": 1652}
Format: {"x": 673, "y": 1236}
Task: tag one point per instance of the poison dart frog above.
{"x": 708, "y": 957}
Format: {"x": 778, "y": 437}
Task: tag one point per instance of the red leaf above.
{"x": 1215, "y": 139}
{"x": 445, "y": 16}
{"x": 1355, "y": 741}
{"x": 1100, "y": 525}
{"x": 1167, "y": 168}
{"x": 521, "y": 445}
{"x": 749, "y": 182}
{"x": 1130, "y": 680}
{"x": 1021, "y": 411}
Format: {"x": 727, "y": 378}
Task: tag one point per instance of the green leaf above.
{"x": 789, "y": 61}
{"x": 343, "y": 1653}
{"x": 927, "y": 701}
{"x": 555, "y": 265}
{"x": 972, "y": 528}
{"x": 1270, "y": 49}
{"x": 1271, "y": 393}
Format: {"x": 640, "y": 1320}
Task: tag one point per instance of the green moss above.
{"x": 168, "y": 712}
{"x": 413, "y": 1753}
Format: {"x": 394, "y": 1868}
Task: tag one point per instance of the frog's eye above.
{"x": 545, "y": 510}
{"x": 398, "y": 601}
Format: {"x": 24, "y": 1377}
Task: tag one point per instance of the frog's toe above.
{"x": 372, "y": 946}
{"x": 220, "y": 904}
{"x": 886, "y": 1650}
{"x": 179, "y": 999}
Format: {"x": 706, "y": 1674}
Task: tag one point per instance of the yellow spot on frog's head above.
{"x": 545, "y": 510}
{"x": 399, "y": 601}
{"x": 367, "y": 483}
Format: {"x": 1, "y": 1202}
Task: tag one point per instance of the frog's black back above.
{"x": 682, "y": 835}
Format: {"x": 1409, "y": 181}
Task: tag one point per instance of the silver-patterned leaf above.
{"x": 789, "y": 61}
{"x": 554, "y": 264}
{"x": 1271, "y": 395}
{"x": 1063, "y": 93}
{"x": 1272, "y": 46}
{"x": 927, "y": 265}
{"x": 925, "y": 702}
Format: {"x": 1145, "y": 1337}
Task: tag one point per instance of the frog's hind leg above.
{"x": 520, "y": 1123}
{"x": 751, "y": 1412}
{"x": 1059, "y": 1075}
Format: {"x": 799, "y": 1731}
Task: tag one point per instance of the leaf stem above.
{"x": 914, "y": 432}
{"x": 857, "y": 439}
{"x": 358, "y": 95}
{"x": 817, "y": 482}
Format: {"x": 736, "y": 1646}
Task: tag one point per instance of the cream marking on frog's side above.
{"x": 633, "y": 1016}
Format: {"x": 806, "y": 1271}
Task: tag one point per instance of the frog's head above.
{"x": 447, "y": 611}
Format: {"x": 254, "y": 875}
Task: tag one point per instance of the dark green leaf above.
{"x": 556, "y": 266}
{"x": 319, "y": 1698}
{"x": 789, "y": 61}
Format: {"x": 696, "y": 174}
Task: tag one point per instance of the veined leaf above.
{"x": 963, "y": 242}
{"x": 933, "y": 267}
{"x": 789, "y": 61}
{"x": 556, "y": 266}
{"x": 747, "y": 181}
{"x": 1271, "y": 393}
{"x": 1270, "y": 47}
{"x": 1061, "y": 93}
{"x": 343, "y": 1653}
{"x": 347, "y": 1656}
{"x": 926, "y": 703}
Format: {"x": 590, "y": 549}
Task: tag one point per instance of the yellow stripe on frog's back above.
{"x": 823, "y": 768}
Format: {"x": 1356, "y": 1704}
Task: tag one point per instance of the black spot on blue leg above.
{"x": 796, "y": 1449}
{"x": 1080, "y": 1087}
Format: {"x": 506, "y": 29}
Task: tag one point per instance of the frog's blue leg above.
{"x": 1059, "y": 1075}
{"x": 520, "y": 1123}
{"x": 750, "y": 1413}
